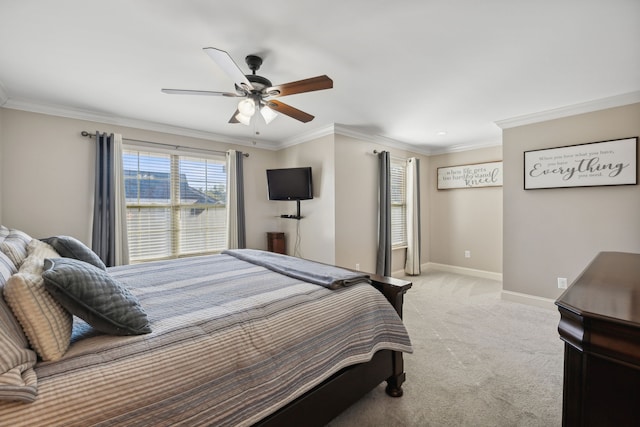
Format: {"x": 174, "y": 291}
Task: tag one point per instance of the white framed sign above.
{"x": 470, "y": 176}
{"x": 583, "y": 165}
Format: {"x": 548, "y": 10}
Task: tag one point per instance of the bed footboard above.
{"x": 320, "y": 405}
{"x": 393, "y": 290}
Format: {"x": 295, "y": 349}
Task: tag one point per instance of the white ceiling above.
{"x": 403, "y": 71}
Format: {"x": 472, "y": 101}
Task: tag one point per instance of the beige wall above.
{"x": 466, "y": 218}
{"x": 556, "y": 232}
{"x": 46, "y": 188}
{"x": 47, "y": 181}
{"x": 357, "y": 204}
{"x": 340, "y": 224}
{"x": 317, "y": 229}
{"x": 47, "y": 175}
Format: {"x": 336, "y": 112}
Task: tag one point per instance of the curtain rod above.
{"x": 90, "y": 135}
{"x": 393, "y": 157}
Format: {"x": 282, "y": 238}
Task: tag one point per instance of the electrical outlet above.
{"x": 467, "y": 254}
{"x": 357, "y": 267}
{"x": 562, "y": 283}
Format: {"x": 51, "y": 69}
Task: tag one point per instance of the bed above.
{"x": 230, "y": 340}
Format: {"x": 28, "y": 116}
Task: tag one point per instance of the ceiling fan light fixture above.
{"x": 247, "y": 107}
{"x": 245, "y": 120}
{"x": 268, "y": 114}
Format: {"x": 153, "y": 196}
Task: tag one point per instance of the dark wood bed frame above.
{"x": 327, "y": 400}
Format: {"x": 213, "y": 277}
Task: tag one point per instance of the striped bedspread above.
{"x": 232, "y": 342}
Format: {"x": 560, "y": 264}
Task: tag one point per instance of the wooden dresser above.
{"x": 600, "y": 325}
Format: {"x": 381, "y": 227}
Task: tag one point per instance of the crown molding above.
{"x": 465, "y": 147}
{"x": 345, "y": 130}
{"x": 331, "y": 129}
{"x": 571, "y": 110}
{"x": 72, "y": 113}
{"x": 307, "y": 136}
{"x": 426, "y": 151}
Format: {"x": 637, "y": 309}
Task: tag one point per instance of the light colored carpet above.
{"x": 478, "y": 361}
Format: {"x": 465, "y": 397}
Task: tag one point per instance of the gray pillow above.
{"x": 94, "y": 296}
{"x": 70, "y": 247}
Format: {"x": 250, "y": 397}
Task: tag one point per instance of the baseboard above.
{"x": 529, "y": 299}
{"x": 462, "y": 270}
{"x": 398, "y": 274}
{"x": 505, "y": 295}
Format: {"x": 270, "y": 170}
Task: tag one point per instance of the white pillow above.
{"x": 45, "y": 322}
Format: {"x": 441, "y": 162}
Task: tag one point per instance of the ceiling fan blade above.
{"x": 199, "y": 92}
{"x": 301, "y": 86}
{"x": 233, "y": 118}
{"x": 288, "y": 110}
{"x": 225, "y": 62}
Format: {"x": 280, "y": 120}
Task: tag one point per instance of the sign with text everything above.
{"x": 584, "y": 165}
{"x": 470, "y": 176}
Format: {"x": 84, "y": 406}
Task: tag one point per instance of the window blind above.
{"x": 175, "y": 204}
{"x": 398, "y": 203}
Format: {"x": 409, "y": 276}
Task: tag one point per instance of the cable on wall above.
{"x": 296, "y": 249}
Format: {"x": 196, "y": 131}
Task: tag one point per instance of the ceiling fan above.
{"x": 257, "y": 92}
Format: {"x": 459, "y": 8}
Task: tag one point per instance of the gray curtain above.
{"x": 240, "y": 200}
{"x": 104, "y": 215}
{"x": 236, "y": 238}
{"x": 383, "y": 264}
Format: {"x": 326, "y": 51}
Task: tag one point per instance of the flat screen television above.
{"x": 290, "y": 184}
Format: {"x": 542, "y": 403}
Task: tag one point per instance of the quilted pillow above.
{"x": 93, "y": 295}
{"x": 14, "y": 245}
{"x": 70, "y": 247}
{"x": 45, "y": 322}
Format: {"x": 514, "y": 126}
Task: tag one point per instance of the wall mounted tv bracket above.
{"x": 297, "y": 216}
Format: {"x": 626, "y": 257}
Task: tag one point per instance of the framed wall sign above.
{"x": 470, "y": 176}
{"x": 584, "y": 165}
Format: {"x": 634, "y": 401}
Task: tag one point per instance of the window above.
{"x": 175, "y": 204}
{"x": 398, "y": 203}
